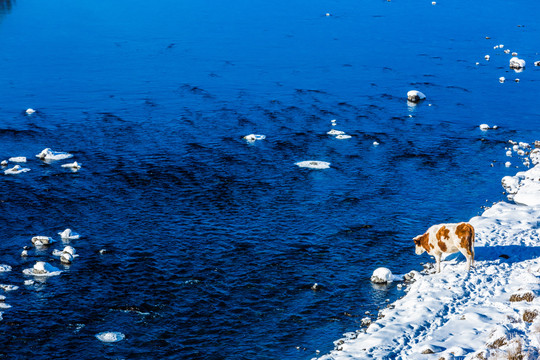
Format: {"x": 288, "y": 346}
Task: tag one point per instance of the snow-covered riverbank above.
{"x": 490, "y": 312}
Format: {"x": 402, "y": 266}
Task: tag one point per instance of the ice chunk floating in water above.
{"x": 48, "y": 154}
{"x": 382, "y": 275}
{"x": 5, "y": 268}
{"x": 41, "y": 268}
{"x": 42, "y": 240}
{"x": 17, "y": 169}
{"x": 314, "y": 164}
{"x": 17, "y": 159}
{"x": 251, "y": 138}
{"x": 110, "y": 337}
{"x": 415, "y": 96}
{"x": 74, "y": 166}
{"x": 69, "y": 235}
{"x": 517, "y": 63}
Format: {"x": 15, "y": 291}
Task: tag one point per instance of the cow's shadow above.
{"x": 505, "y": 253}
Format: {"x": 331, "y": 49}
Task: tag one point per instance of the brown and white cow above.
{"x": 447, "y": 239}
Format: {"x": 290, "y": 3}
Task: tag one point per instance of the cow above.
{"x": 447, "y": 239}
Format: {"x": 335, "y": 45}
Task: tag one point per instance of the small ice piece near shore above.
{"x": 251, "y": 138}
{"x": 375, "y": 143}
{"x": 110, "y": 336}
{"x": 508, "y": 164}
{"x": 314, "y": 164}
{"x": 517, "y": 63}
{"x": 382, "y": 276}
{"x": 5, "y": 268}
{"x": 502, "y": 79}
{"x": 30, "y": 111}
{"x": 507, "y": 51}
{"x": 343, "y": 137}
{"x": 48, "y": 154}
{"x": 17, "y": 159}
{"x": 17, "y": 169}
{"x": 486, "y": 57}
{"x": 42, "y": 240}
{"x": 69, "y": 235}
{"x": 484, "y": 127}
{"x": 4, "y": 163}
{"x": 41, "y": 268}
{"x": 74, "y": 166}
{"x": 415, "y": 96}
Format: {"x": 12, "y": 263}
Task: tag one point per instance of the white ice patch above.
{"x": 42, "y": 268}
{"x": 9, "y": 287}
{"x": 484, "y": 127}
{"x": 17, "y": 169}
{"x": 251, "y": 138}
{"x": 382, "y": 275}
{"x": 48, "y": 154}
{"x": 20, "y": 159}
{"x": 415, "y": 96}
{"x": 69, "y": 235}
{"x": 517, "y": 63}
{"x": 42, "y": 240}
{"x": 335, "y": 132}
{"x": 5, "y": 268}
{"x": 30, "y": 111}
{"x": 110, "y": 336}
{"x": 74, "y": 166}
{"x": 314, "y": 164}
{"x": 343, "y": 137}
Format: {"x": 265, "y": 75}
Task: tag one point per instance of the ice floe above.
{"x": 48, "y": 154}
{"x": 251, "y": 138}
{"x": 415, "y": 96}
{"x": 517, "y": 63}
{"x": 490, "y": 312}
{"x": 110, "y": 336}
{"x": 74, "y": 166}
{"x": 5, "y": 268}
{"x": 30, "y": 111}
{"x": 382, "y": 275}
{"x": 42, "y": 240}
{"x": 7, "y": 287}
{"x": 17, "y": 169}
{"x": 313, "y": 164}
{"x": 17, "y": 159}
{"x": 343, "y": 137}
{"x": 67, "y": 255}
{"x": 42, "y": 268}
{"x": 68, "y": 234}
{"x": 335, "y": 132}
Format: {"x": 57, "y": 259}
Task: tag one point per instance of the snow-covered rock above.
{"x": 382, "y": 275}
{"x": 517, "y": 63}
{"x": 48, "y": 154}
{"x": 415, "y": 96}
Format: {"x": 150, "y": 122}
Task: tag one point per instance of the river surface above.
{"x": 197, "y": 244}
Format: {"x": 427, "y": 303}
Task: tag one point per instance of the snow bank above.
{"x": 490, "y": 312}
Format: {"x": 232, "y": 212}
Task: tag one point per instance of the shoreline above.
{"x": 486, "y": 313}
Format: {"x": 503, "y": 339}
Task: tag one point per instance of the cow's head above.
{"x": 420, "y": 243}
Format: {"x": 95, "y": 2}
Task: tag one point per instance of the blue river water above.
{"x": 212, "y": 243}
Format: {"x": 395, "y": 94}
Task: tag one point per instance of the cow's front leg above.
{"x": 438, "y": 261}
